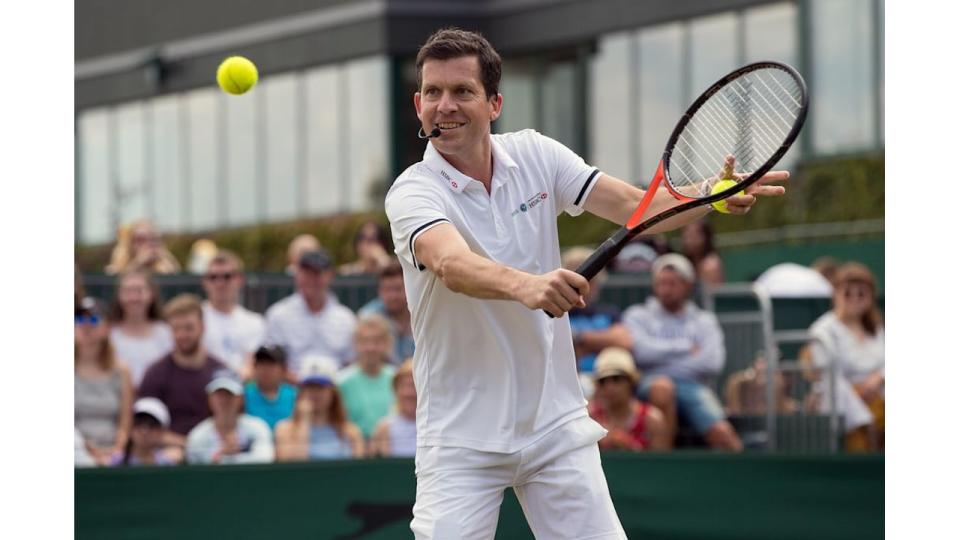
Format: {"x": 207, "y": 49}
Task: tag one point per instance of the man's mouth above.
{"x": 444, "y": 126}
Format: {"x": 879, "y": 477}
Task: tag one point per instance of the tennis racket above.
{"x": 754, "y": 114}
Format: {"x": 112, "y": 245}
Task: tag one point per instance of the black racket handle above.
{"x": 601, "y": 256}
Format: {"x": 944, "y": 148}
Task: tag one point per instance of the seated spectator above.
{"x": 365, "y": 384}
{"x": 631, "y": 423}
{"x": 371, "y": 244}
{"x": 827, "y": 266}
{"x": 594, "y": 327}
{"x": 298, "y": 246}
{"x": 311, "y": 320}
{"x": 319, "y": 428}
{"x": 391, "y": 302}
{"x": 202, "y": 251}
{"x": 638, "y": 255}
{"x": 229, "y": 436}
{"x": 746, "y": 391}
{"x": 180, "y": 378}
{"x": 681, "y": 349}
{"x": 851, "y": 338}
{"x": 231, "y": 333}
{"x": 268, "y": 396}
{"x": 102, "y": 391}
{"x": 138, "y": 335}
{"x": 145, "y": 447}
{"x": 696, "y": 241}
{"x": 396, "y": 435}
{"x": 140, "y": 247}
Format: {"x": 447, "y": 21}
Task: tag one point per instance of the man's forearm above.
{"x": 662, "y": 202}
{"x": 473, "y": 275}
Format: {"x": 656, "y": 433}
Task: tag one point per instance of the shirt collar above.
{"x": 456, "y": 180}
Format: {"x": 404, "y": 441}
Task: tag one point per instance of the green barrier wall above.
{"x": 672, "y": 496}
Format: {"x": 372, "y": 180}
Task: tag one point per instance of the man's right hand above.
{"x": 555, "y": 292}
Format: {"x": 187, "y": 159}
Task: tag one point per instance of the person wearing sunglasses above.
{"x": 231, "y": 333}
{"x": 102, "y": 388}
{"x": 851, "y": 337}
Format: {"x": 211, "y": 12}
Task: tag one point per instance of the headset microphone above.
{"x": 434, "y": 133}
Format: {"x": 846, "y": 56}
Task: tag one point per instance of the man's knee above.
{"x": 722, "y": 435}
{"x": 662, "y": 390}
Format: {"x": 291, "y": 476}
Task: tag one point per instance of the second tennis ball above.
{"x": 236, "y": 75}
{"x": 723, "y": 185}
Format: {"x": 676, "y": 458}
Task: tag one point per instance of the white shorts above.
{"x": 558, "y": 481}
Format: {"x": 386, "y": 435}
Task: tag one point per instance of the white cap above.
{"x": 225, "y": 380}
{"x": 155, "y": 408}
{"x": 677, "y": 262}
{"x": 318, "y": 369}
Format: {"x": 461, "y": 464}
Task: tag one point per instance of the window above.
{"x": 279, "y": 101}
{"x": 325, "y": 151}
{"x": 368, "y": 128}
{"x": 168, "y": 167}
{"x": 200, "y": 130}
{"x": 518, "y": 87}
{"x": 130, "y": 187}
{"x": 713, "y": 51}
{"x": 661, "y": 92}
{"x": 94, "y": 193}
{"x": 613, "y": 106}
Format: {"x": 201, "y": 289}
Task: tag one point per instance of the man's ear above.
{"x": 416, "y": 104}
{"x": 496, "y": 106}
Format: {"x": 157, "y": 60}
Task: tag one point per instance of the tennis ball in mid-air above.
{"x": 723, "y": 185}
{"x": 236, "y": 75}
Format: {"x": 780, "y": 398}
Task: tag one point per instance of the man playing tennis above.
{"x": 475, "y": 228}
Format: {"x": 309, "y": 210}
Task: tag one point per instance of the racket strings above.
{"x": 749, "y": 118}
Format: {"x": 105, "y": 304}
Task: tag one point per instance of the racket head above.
{"x": 754, "y": 113}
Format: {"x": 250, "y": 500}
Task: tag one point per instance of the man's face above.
{"x": 268, "y": 374}
{"x": 187, "y": 331}
{"x": 671, "y": 289}
{"x": 372, "y": 345}
{"x": 392, "y": 294}
{"x": 452, "y": 98}
{"x": 224, "y": 403}
{"x": 222, "y": 282}
{"x": 313, "y": 284}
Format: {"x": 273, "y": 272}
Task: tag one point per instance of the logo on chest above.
{"x": 531, "y": 203}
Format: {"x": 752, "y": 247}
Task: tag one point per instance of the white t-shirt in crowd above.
{"x": 139, "y": 352}
{"x": 491, "y": 375}
{"x": 329, "y": 332}
{"x": 253, "y": 436}
{"x": 229, "y": 337}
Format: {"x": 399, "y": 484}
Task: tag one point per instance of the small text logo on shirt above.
{"x": 531, "y": 203}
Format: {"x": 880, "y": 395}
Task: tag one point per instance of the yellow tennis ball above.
{"x": 723, "y": 185}
{"x": 236, "y": 75}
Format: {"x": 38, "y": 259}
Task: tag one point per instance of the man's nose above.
{"x": 447, "y": 103}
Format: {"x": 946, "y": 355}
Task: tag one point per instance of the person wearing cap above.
{"x": 319, "y": 428}
{"x": 179, "y": 379}
{"x": 268, "y": 396}
{"x": 145, "y": 447}
{"x": 102, "y": 386}
{"x": 680, "y": 347}
{"x": 396, "y": 435}
{"x": 851, "y": 337}
{"x": 311, "y": 320}
{"x": 631, "y": 424}
{"x": 365, "y": 384}
{"x": 229, "y": 436}
{"x": 231, "y": 332}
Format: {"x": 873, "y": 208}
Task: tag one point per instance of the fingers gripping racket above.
{"x": 754, "y": 114}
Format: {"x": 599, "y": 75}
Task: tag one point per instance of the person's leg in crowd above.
{"x": 702, "y": 408}
{"x": 660, "y": 392}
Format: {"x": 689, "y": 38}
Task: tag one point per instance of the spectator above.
{"x": 396, "y": 435}
{"x": 319, "y": 428}
{"x": 311, "y": 320}
{"x": 827, "y": 266}
{"x": 746, "y": 391}
{"x": 179, "y": 379}
{"x": 268, "y": 396}
{"x": 202, "y": 251}
{"x": 391, "y": 302}
{"x": 371, "y": 245}
{"x": 137, "y": 334}
{"x": 696, "y": 241}
{"x": 366, "y": 384}
{"x": 102, "y": 391}
{"x": 631, "y": 423}
{"x": 140, "y": 247}
{"x": 851, "y": 338}
{"x": 298, "y": 246}
{"x": 229, "y": 436}
{"x": 231, "y": 333}
{"x": 681, "y": 347}
{"x": 638, "y": 255}
{"x": 145, "y": 447}
{"x": 595, "y": 327}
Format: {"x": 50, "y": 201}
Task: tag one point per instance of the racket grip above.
{"x": 600, "y": 257}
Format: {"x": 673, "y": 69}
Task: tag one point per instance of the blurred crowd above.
{"x": 205, "y": 380}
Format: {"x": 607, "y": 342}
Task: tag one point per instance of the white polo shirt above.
{"x": 329, "y": 332}
{"x": 491, "y": 375}
{"x": 229, "y": 337}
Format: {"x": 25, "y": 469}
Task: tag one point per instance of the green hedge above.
{"x": 838, "y": 189}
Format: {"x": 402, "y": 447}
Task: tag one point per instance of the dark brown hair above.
{"x": 449, "y": 43}
{"x": 853, "y": 272}
{"x": 392, "y": 269}
{"x": 225, "y": 256}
